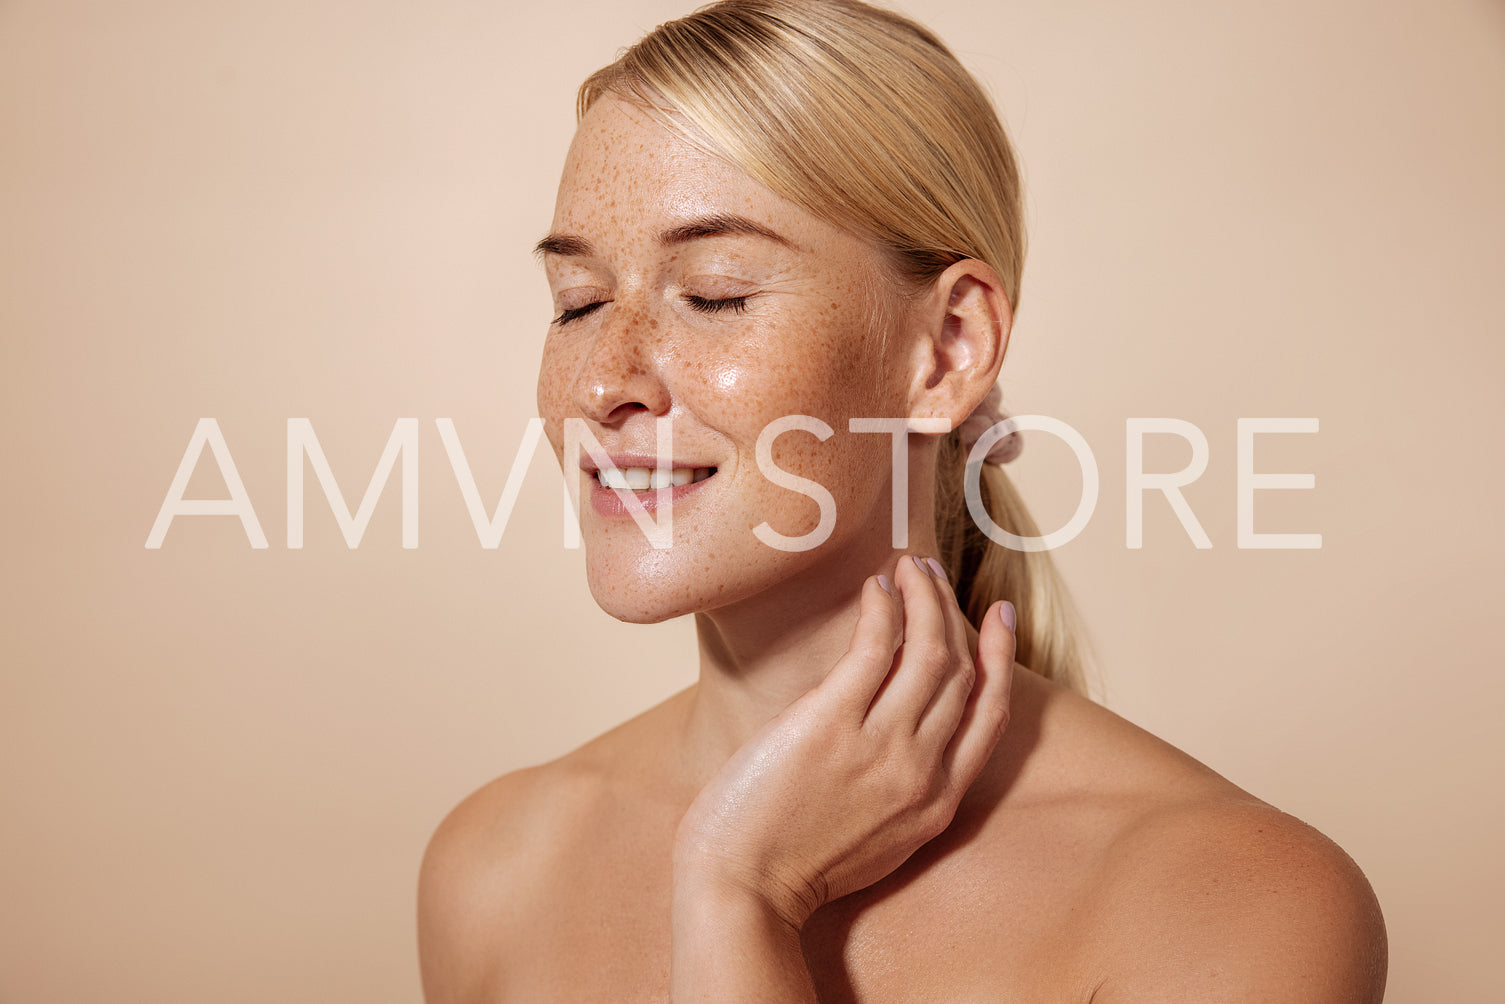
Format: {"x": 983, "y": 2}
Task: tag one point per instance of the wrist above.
{"x": 731, "y": 944}
{"x": 712, "y": 892}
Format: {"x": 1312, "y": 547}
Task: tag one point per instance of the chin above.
{"x": 639, "y": 614}
{"x": 655, "y": 586}
{"x": 646, "y": 591}
{"x": 635, "y": 605}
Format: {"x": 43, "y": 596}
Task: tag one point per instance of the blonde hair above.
{"x": 865, "y": 119}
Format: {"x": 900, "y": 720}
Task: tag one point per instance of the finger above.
{"x": 986, "y": 714}
{"x": 940, "y": 718}
{"x": 956, "y": 621}
{"x": 859, "y": 673}
{"x": 925, "y": 658}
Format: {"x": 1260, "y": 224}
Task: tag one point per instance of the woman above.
{"x": 885, "y": 784}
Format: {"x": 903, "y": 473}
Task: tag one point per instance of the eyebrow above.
{"x": 716, "y": 225}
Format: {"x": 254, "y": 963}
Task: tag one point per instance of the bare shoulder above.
{"x": 502, "y": 855}
{"x": 1235, "y": 900}
{"x": 1202, "y": 891}
{"x": 480, "y": 872}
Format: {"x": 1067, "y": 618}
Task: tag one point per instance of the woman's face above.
{"x": 684, "y": 289}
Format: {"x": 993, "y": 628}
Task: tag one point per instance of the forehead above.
{"x": 627, "y": 174}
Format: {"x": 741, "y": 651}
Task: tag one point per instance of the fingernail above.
{"x": 1007, "y": 615}
{"x": 935, "y": 566}
{"x": 919, "y": 563}
{"x": 883, "y": 584}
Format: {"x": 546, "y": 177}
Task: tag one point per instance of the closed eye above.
{"x": 706, "y": 305}
{"x": 736, "y": 304}
{"x": 571, "y": 313}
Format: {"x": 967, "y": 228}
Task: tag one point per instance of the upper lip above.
{"x": 622, "y": 461}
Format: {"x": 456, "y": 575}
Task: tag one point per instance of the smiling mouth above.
{"x": 647, "y": 479}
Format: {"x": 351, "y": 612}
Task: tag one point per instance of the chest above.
{"x": 958, "y": 922}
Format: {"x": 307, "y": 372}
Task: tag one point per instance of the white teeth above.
{"x": 650, "y": 478}
{"x": 610, "y": 477}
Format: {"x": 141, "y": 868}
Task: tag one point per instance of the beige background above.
{"x": 220, "y": 766}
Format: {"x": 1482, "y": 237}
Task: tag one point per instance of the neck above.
{"x": 759, "y": 656}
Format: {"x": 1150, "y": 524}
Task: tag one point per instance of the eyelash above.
{"x": 705, "y": 305}
{"x": 571, "y": 313}
{"x": 736, "y": 304}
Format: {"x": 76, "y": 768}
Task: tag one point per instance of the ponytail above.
{"x": 1049, "y": 640}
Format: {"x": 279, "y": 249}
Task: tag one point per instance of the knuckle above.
{"x": 912, "y": 789}
{"x": 872, "y": 653}
{"x": 937, "y": 817}
{"x": 932, "y": 659}
{"x": 999, "y": 723}
{"x": 966, "y": 674}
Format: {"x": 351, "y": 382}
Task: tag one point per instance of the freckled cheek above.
{"x": 826, "y": 373}
{"x": 833, "y": 371}
{"x": 842, "y": 461}
{"x": 724, "y": 390}
{"x": 729, "y": 396}
{"x": 554, "y": 398}
{"x": 853, "y": 469}
{"x": 724, "y": 378}
{"x": 767, "y": 379}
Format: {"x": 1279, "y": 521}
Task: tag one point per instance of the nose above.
{"x": 620, "y": 374}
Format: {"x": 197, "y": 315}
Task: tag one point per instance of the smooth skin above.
{"x": 829, "y": 812}
{"x": 909, "y": 696}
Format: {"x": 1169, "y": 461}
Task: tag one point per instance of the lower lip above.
{"x": 610, "y": 502}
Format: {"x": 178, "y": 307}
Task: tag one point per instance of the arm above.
{"x": 837, "y": 791}
{"x": 730, "y": 945}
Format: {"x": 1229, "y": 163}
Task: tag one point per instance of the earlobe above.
{"x": 964, "y": 332}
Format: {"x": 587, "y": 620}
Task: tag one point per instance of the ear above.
{"x": 961, "y": 332}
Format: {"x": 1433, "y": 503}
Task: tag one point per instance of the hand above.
{"x": 847, "y": 782}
